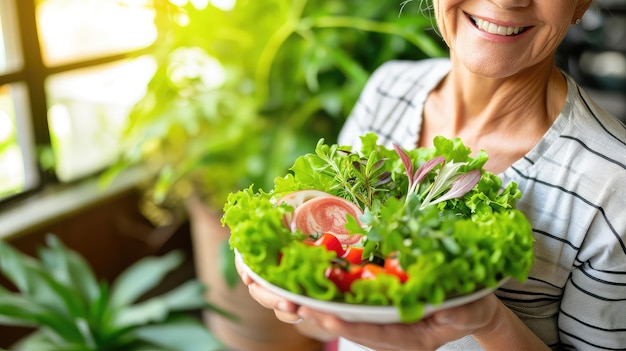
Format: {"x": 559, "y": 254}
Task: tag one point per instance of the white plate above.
{"x": 362, "y": 313}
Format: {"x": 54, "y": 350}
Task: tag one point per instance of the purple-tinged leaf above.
{"x": 424, "y": 169}
{"x": 384, "y": 178}
{"x": 406, "y": 160}
{"x": 376, "y": 166}
{"x": 344, "y": 152}
{"x": 443, "y": 181}
{"x": 462, "y": 185}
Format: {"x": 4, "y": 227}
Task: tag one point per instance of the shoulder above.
{"x": 581, "y": 161}
{"x": 391, "y": 99}
{"x": 584, "y": 139}
{"x": 398, "y": 83}
{"x": 575, "y": 177}
{"x": 399, "y": 70}
{"x": 597, "y": 137}
{"x": 588, "y": 118}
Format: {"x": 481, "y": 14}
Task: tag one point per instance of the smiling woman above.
{"x": 503, "y": 93}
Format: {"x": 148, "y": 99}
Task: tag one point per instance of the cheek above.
{"x": 446, "y": 17}
{"x": 553, "y": 35}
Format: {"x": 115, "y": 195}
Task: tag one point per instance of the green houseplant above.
{"x": 239, "y": 93}
{"x": 59, "y": 297}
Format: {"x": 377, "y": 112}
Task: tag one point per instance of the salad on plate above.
{"x": 383, "y": 227}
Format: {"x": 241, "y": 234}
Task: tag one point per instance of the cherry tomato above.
{"x": 371, "y": 270}
{"x": 354, "y": 255}
{"x": 343, "y": 275}
{"x": 330, "y": 242}
{"x": 392, "y": 266}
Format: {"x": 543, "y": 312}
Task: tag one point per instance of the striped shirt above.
{"x": 574, "y": 194}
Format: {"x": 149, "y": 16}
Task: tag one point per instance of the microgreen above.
{"x": 360, "y": 177}
{"x": 449, "y": 183}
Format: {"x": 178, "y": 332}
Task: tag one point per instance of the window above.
{"x": 70, "y": 71}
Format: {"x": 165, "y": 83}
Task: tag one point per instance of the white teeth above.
{"x": 496, "y": 29}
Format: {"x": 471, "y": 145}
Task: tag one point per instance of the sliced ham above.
{"x": 297, "y": 198}
{"x": 326, "y": 214}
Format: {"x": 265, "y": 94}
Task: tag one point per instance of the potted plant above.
{"x": 238, "y": 94}
{"x": 59, "y": 297}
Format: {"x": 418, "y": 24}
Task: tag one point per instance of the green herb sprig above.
{"x": 358, "y": 178}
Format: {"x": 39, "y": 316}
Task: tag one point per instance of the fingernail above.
{"x": 302, "y": 314}
{"x": 443, "y": 317}
{"x": 298, "y": 321}
{"x": 283, "y": 306}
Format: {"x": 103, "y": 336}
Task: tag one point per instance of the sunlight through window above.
{"x": 12, "y": 178}
{"x": 76, "y": 30}
{"x": 88, "y": 110}
{"x": 225, "y": 5}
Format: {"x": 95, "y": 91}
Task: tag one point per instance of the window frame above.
{"x": 31, "y": 113}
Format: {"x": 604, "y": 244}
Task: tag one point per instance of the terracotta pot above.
{"x": 258, "y": 328}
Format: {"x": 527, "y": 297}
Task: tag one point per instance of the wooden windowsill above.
{"x": 42, "y": 208}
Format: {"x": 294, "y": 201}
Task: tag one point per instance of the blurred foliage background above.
{"x": 244, "y": 87}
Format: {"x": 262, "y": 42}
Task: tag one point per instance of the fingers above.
{"x": 313, "y": 331}
{"x": 427, "y": 334}
{"x": 470, "y": 317}
{"x": 283, "y": 309}
{"x": 241, "y": 271}
{"x": 376, "y": 336}
{"x": 288, "y": 317}
{"x": 270, "y": 300}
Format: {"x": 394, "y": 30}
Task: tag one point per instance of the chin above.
{"x": 492, "y": 67}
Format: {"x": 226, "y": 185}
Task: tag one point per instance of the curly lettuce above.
{"x": 448, "y": 248}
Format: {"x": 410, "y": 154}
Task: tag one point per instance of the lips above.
{"x": 496, "y": 29}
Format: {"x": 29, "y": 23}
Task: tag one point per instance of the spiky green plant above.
{"x": 59, "y": 296}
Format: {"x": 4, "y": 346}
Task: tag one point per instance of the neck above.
{"x": 506, "y": 117}
{"x": 534, "y": 96}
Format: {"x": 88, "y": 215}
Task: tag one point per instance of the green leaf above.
{"x": 32, "y": 279}
{"x": 18, "y": 310}
{"x": 71, "y": 269}
{"x": 185, "y": 297}
{"x": 142, "y": 276}
{"x": 57, "y": 304}
{"x": 227, "y": 264}
{"x": 349, "y": 65}
{"x": 181, "y": 334}
{"x": 37, "y": 341}
{"x": 44, "y": 340}
{"x": 15, "y": 266}
{"x": 151, "y": 311}
{"x": 61, "y": 298}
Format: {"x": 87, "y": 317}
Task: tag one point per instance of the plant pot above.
{"x": 258, "y": 329}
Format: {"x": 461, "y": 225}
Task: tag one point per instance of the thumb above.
{"x": 469, "y": 317}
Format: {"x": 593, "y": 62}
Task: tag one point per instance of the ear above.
{"x": 581, "y": 8}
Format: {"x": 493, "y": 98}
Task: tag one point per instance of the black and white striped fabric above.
{"x": 574, "y": 193}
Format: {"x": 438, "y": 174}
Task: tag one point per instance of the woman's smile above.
{"x": 493, "y": 28}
